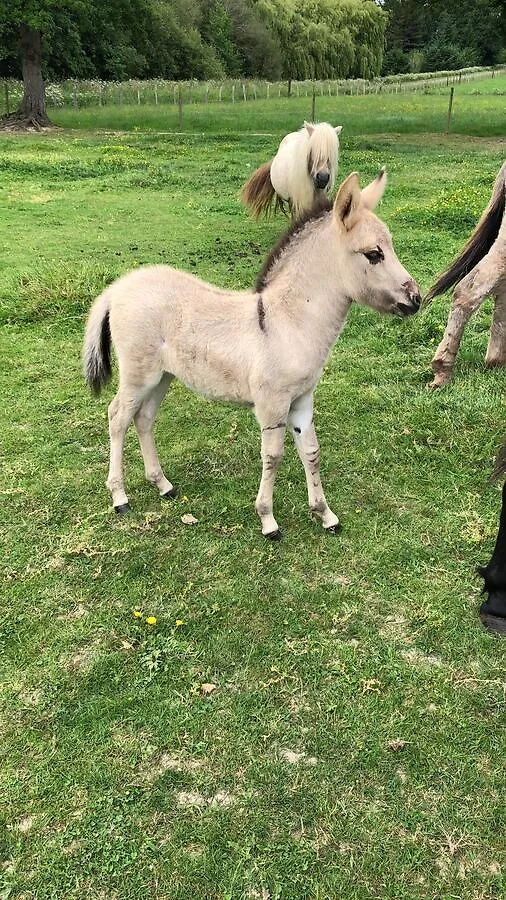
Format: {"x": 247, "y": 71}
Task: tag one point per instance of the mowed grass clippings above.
{"x": 189, "y": 711}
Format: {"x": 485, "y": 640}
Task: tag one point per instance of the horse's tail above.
{"x": 258, "y": 193}
{"x": 480, "y": 242}
{"x": 97, "y": 345}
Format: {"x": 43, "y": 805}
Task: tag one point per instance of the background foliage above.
{"x": 443, "y": 34}
{"x": 200, "y": 38}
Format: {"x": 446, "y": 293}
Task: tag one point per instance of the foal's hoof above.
{"x": 495, "y": 624}
{"x": 334, "y": 529}
{"x": 122, "y": 508}
{"x": 274, "y": 535}
{"x": 169, "y": 495}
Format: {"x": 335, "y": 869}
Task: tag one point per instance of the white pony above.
{"x": 301, "y": 174}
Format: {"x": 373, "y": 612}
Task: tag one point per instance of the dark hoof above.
{"x": 495, "y": 624}
{"x": 274, "y": 535}
{"x": 334, "y": 529}
{"x": 169, "y": 495}
{"x": 123, "y": 508}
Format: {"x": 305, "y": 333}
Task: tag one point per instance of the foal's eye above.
{"x": 375, "y": 256}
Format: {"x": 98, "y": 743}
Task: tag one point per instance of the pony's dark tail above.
{"x": 478, "y": 244}
{"x": 258, "y": 193}
{"x": 97, "y": 345}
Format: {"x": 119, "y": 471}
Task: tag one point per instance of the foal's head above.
{"x": 323, "y": 152}
{"x": 372, "y": 272}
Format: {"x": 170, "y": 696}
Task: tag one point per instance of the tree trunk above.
{"x": 33, "y": 105}
{"x": 32, "y": 110}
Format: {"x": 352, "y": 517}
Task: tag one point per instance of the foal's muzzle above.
{"x": 413, "y": 299}
{"x": 321, "y": 179}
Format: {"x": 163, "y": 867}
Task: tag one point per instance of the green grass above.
{"x": 479, "y": 109}
{"x": 364, "y": 652}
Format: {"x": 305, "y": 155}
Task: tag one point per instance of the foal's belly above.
{"x": 208, "y": 376}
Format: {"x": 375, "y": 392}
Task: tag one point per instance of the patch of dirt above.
{"x": 78, "y": 612}
{"x": 196, "y": 799}
{"x": 31, "y": 698}
{"x": 396, "y": 628}
{"x": 164, "y": 762}
{"x": 82, "y": 660}
{"x": 25, "y": 825}
{"x": 191, "y": 798}
{"x": 417, "y": 658}
{"x": 293, "y": 757}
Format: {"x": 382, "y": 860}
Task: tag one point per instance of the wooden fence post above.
{"x": 313, "y": 103}
{"x": 180, "y": 108}
{"x": 6, "y": 90}
{"x": 450, "y": 109}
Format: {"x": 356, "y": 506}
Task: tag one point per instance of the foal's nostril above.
{"x": 322, "y": 179}
{"x": 413, "y": 292}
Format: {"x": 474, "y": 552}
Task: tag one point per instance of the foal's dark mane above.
{"x": 313, "y": 215}
{"x": 477, "y": 246}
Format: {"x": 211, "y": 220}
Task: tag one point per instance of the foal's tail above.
{"x": 258, "y": 192}
{"x": 480, "y": 242}
{"x": 97, "y": 345}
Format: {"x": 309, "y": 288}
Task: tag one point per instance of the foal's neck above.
{"x": 305, "y": 283}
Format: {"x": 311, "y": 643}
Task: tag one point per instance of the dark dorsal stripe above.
{"x": 261, "y": 313}
{"x": 315, "y": 213}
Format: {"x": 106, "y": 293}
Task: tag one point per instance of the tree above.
{"x": 27, "y": 21}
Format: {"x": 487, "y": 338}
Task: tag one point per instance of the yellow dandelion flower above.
{"x": 184, "y": 499}
{"x": 179, "y": 622}
{"x": 151, "y": 620}
{"x": 137, "y": 614}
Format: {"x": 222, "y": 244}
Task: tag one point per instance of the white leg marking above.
{"x": 300, "y": 420}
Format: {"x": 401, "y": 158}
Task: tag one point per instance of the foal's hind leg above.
{"x": 144, "y": 421}
{"x": 121, "y": 411}
{"x": 301, "y": 422}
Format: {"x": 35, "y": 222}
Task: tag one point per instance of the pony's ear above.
{"x": 309, "y": 128}
{"x": 338, "y": 129}
{"x": 372, "y": 194}
{"x": 347, "y": 202}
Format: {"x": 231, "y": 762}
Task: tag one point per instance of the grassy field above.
{"x": 479, "y": 109}
{"x": 353, "y": 746}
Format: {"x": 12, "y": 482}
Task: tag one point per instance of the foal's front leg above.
{"x": 273, "y": 427}
{"x": 300, "y": 419}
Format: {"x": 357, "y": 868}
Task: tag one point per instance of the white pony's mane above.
{"x": 322, "y": 145}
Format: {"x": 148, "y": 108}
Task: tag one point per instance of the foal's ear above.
{"x": 309, "y": 128}
{"x": 348, "y": 201}
{"x": 338, "y": 129}
{"x": 372, "y": 194}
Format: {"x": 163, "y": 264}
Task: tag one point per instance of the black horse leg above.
{"x": 493, "y": 609}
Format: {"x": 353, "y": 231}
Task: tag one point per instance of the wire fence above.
{"x": 88, "y": 93}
